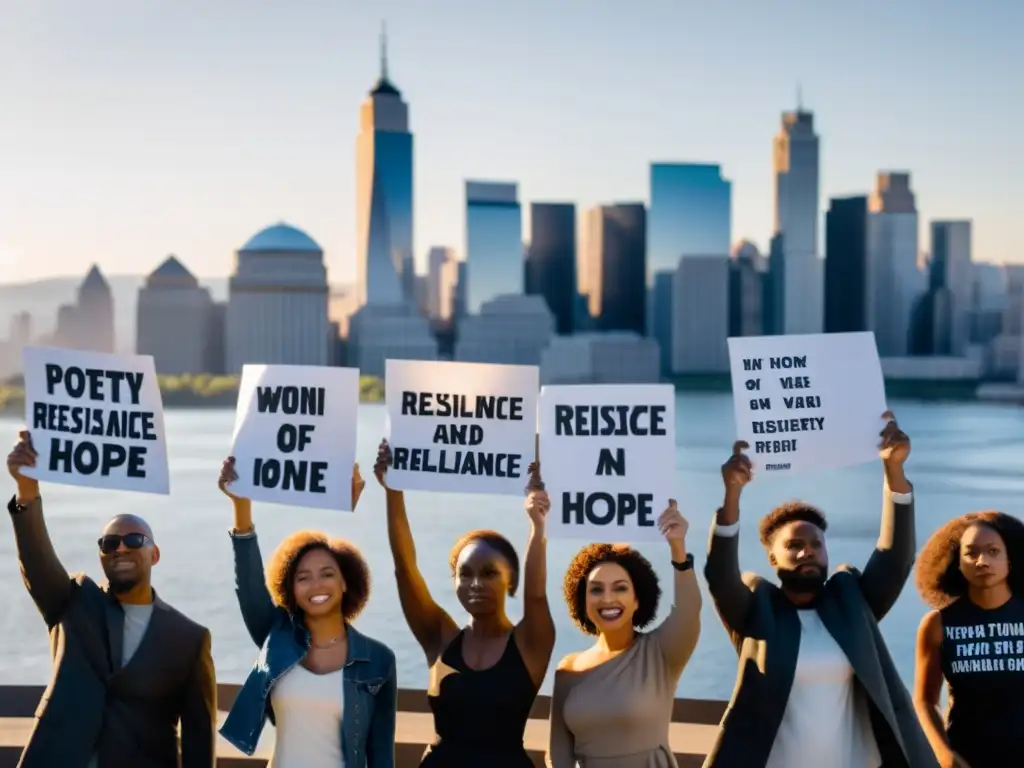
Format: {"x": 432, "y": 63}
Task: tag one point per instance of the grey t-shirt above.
{"x": 136, "y": 621}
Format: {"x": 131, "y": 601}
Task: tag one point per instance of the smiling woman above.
{"x": 329, "y": 690}
{"x": 616, "y": 697}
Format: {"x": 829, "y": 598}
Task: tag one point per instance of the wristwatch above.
{"x": 686, "y": 565}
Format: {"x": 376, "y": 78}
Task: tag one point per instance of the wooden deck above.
{"x": 695, "y": 723}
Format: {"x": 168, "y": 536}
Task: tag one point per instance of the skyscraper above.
{"x": 895, "y": 282}
{"x": 800, "y": 290}
{"x": 494, "y": 242}
{"x": 385, "y": 272}
{"x": 746, "y": 290}
{"x": 94, "y": 313}
{"x": 846, "y": 265}
{"x": 441, "y": 281}
{"x": 691, "y": 214}
{"x": 690, "y": 218}
{"x": 952, "y": 268}
{"x": 613, "y": 270}
{"x": 551, "y": 260}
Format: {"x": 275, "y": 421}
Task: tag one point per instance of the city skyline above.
{"x": 157, "y": 184}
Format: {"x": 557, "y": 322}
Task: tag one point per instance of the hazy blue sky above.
{"x": 130, "y": 129}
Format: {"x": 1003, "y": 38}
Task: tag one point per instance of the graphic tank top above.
{"x": 983, "y": 663}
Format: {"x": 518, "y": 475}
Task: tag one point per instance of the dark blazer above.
{"x": 368, "y": 681}
{"x": 125, "y": 716}
{"x": 765, "y": 629}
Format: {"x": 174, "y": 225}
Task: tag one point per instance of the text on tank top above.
{"x": 983, "y": 664}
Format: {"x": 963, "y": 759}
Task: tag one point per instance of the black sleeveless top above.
{"x": 983, "y": 663}
{"x": 480, "y": 716}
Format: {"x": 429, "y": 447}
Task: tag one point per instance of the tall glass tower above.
{"x": 384, "y": 252}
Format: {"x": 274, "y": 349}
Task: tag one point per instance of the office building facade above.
{"x": 494, "y": 242}
{"x": 613, "y": 270}
{"x": 846, "y": 265}
{"x": 551, "y": 260}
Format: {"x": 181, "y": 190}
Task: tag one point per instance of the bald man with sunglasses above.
{"x": 127, "y": 667}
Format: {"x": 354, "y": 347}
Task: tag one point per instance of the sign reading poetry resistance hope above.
{"x": 807, "y": 402}
{"x": 461, "y": 427}
{"x": 607, "y": 457}
{"x": 295, "y": 435}
{"x": 96, "y": 420}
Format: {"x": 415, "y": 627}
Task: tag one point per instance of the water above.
{"x": 965, "y": 457}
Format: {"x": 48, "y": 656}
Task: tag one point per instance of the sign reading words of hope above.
{"x": 461, "y": 427}
{"x": 807, "y": 402}
{"x": 96, "y": 420}
{"x": 295, "y": 435}
{"x": 607, "y": 458}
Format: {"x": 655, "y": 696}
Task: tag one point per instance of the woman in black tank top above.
{"x": 971, "y": 572}
{"x": 483, "y": 678}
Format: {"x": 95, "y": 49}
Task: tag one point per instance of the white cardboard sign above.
{"x": 607, "y": 458}
{"x": 807, "y": 402}
{"x": 96, "y": 420}
{"x": 295, "y": 435}
{"x": 461, "y": 427}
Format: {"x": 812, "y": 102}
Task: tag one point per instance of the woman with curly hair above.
{"x": 612, "y": 703}
{"x": 485, "y": 677}
{"x": 329, "y": 690}
{"x": 971, "y": 572}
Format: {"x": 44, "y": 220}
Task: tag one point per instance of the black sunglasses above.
{"x": 108, "y": 544}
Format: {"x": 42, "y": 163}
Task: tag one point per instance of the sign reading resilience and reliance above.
{"x": 607, "y": 456}
{"x": 96, "y": 420}
{"x": 295, "y": 435}
{"x": 461, "y": 427}
{"x": 807, "y": 402}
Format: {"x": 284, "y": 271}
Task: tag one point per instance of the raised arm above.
{"x": 536, "y": 631}
{"x": 258, "y": 611}
{"x": 890, "y": 564}
{"x": 561, "y": 744}
{"x": 430, "y": 624}
{"x": 380, "y": 743}
{"x": 928, "y": 687}
{"x": 678, "y": 633}
{"x": 47, "y": 581}
{"x": 730, "y": 594}
{"x": 199, "y": 711}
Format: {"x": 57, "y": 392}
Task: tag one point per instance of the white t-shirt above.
{"x": 307, "y": 715}
{"x": 826, "y": 723}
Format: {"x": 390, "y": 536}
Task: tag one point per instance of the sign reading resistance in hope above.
{"x": 295, "y": 435}
{"x": 461, "y": 427}
{"x": 607, "y": 457}
{"x": 96, "y": 420}
{"x": 807, "y": 402}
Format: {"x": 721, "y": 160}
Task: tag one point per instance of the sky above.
{"x": 132, "y": 130}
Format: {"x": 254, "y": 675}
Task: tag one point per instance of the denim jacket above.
{"x": 368, "y": 679}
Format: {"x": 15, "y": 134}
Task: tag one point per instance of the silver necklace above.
{"x": 330, "y": 643}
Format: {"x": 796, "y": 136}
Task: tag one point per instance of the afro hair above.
{"x": 641, "y": 573}
{"x": 285, "y": 560}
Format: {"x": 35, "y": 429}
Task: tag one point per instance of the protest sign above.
{"x": 96, "y": 420}
{"x": 807, "y": 402}
{"x": 461, "y": 427}
{"x": 609, "y": 459}
{"x": 295, "y": 435}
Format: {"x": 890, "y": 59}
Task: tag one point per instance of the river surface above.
{"x": 965, "y": 457}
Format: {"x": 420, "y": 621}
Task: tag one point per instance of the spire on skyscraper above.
{"x": 384, "y": 86}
